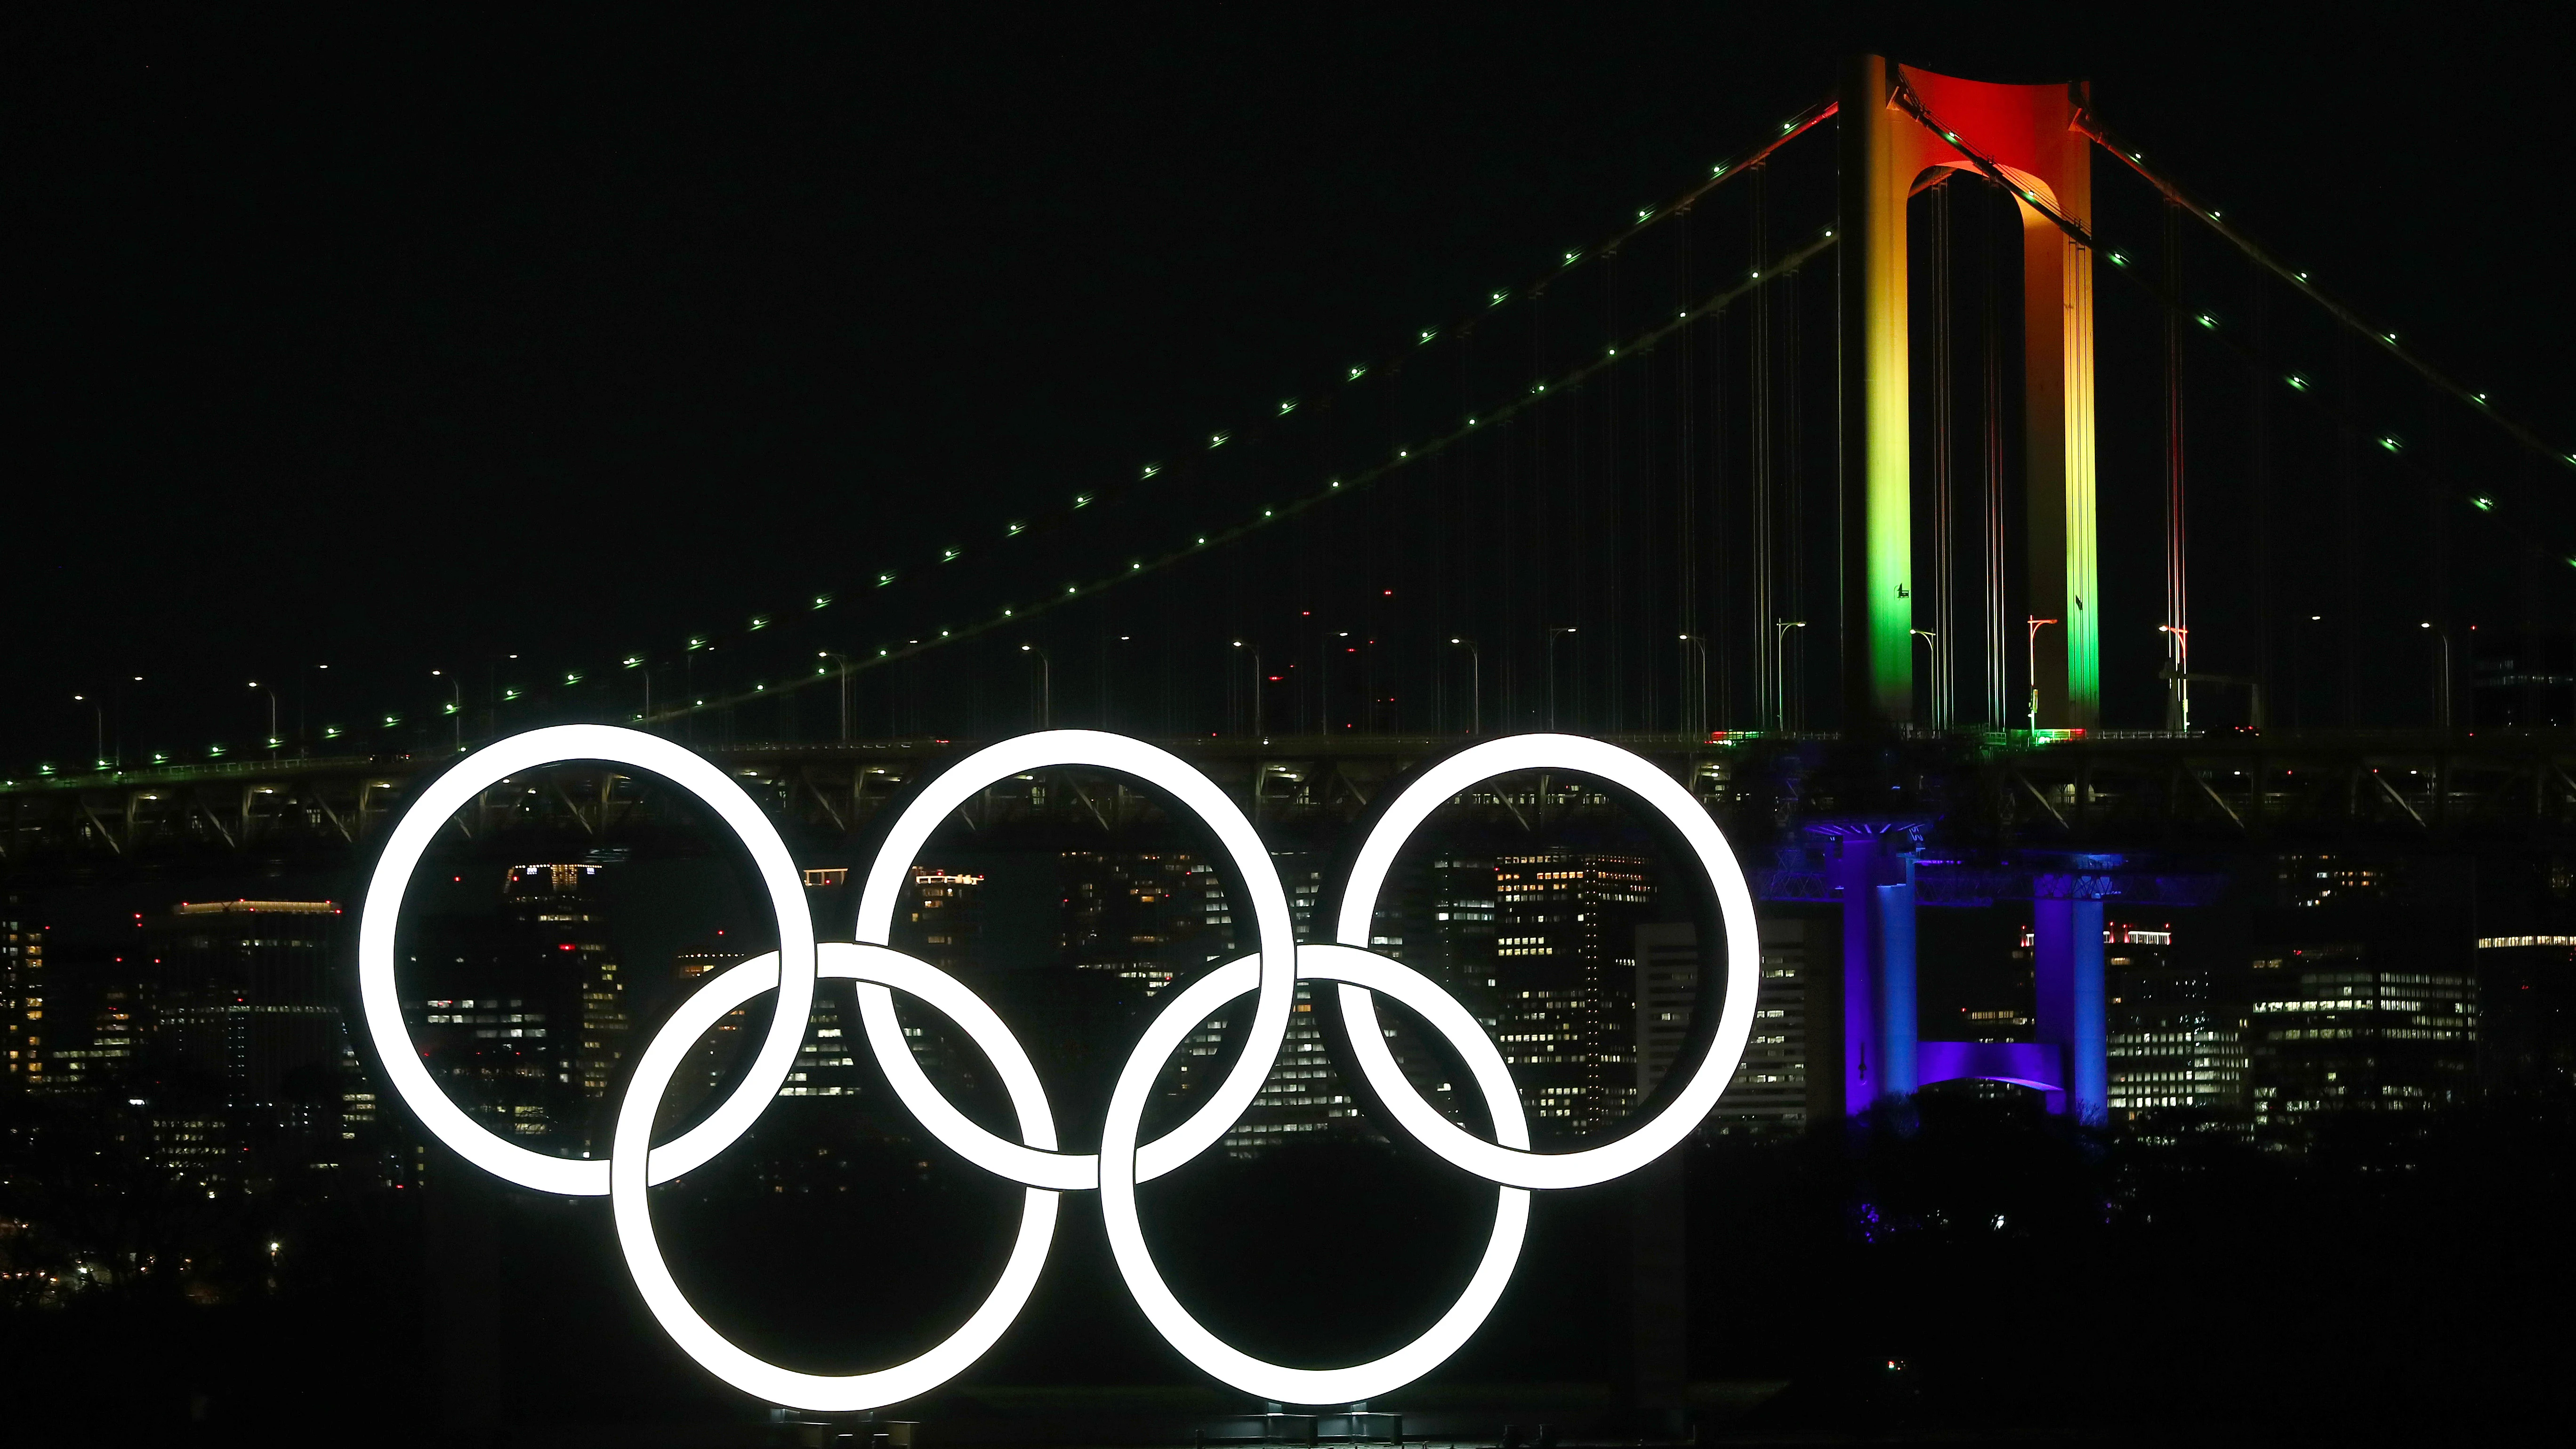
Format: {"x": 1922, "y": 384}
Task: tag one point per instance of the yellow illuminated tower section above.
{"x": 1899, "y": 126}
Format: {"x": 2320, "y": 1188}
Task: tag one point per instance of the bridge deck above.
{"x": 1979, "y": 791}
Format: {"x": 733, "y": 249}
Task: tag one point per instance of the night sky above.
{"x": 395, "y": 343}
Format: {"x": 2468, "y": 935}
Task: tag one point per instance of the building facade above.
{"x": 2335, "y": 1028}
{"x": 521, "y": 1013}
{"x": 22, "y": 999}
{"x": 1564, "y": 981}
{"x": 2176, "y": 1032}
{"x": 1768, "y": 1093}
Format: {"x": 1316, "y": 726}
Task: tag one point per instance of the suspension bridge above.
{"x": 1885, "y": 468}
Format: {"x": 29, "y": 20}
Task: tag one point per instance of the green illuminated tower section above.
{"x": 1881, "y": 155}
{"x": 1900, "y": 125}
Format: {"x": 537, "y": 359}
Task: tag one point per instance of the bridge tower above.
{"x": 1899, "y": 126}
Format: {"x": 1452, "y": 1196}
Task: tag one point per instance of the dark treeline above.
{"x": 1973, "y": 1266}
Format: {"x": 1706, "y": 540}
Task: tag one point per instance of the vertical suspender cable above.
{"x": 2177, "y": 602}
{"x": 1691, "y": 697}
{"x": 2260, "y": 431}
{"x": 1531, "y": 607}
{"x": 1613, "y": 492}
{"x": 1998, "y": 651}
{"x": 1723, "y": 606}
{"x": 2348, "y": 554}
{"x": 1766, "y": 601}
{"x": 2437, "y": 606}
{"x": 2530, "y": 711}
{"x": 1944, "y": 583}
{"x": 1794, "y": 450}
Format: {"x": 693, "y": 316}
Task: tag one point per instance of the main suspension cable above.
{"x": 2384, "y": 339}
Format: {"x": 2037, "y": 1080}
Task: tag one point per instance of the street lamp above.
{"x": 2182, "y": 673}
{"x": 98, "y": 715}
{"x": 455, "y": 703}
{"x": 1046, "y": 686}
{"x": 2298, "y": 651}
{"x": 1780, "y": 668}
{"x": 304, "y": 709}
{"x": 1324, "y": 681}
{"x": 272, "y": 711}
{"x": 1932, "y": 655}
{"x": 492, "y": 691}
{"x": 1695, "y": 713}
{"x": 2442, "y": 695}
{"x": 1256, "y": 685}
{"x": 1552, "y": 636}
{"x": 2035, "y": 623}
{"x": 1107, "y": 694}
{"x": 1475, "y": 685}
{"x": 844, "y": 661}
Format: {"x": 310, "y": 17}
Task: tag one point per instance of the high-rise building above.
{"x": 1564, "y": 981}
{"x": 235, "y": 1009}
{"x": 2527, "y": 1014}
{"x": 716, "y": 1052}
{"x": 2324, "y": 882}
{"x": 2176, "y": 1032}
{"x": 1143, "y": 916}
{"x": 243, "y": 990}
{"x": 557, "y": 907}
{"x": 946, "y": 918}
{"x": 1769, "y": 1090}
{"x": 2334, "y": 1029}
{"x": 22, "y": 999}
{"x": 522, "y": 1012}
{"x": 96, "y": 1034}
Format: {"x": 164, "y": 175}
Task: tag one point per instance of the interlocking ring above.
{"x": 877, "y": 971}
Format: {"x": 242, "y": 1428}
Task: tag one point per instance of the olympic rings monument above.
{"x": 1036, "y": 1161}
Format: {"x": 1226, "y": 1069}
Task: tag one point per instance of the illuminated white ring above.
{"x": 634, "y": 1216}
{"x": 1254, "y": 877}
{"x": 1118, "y": 1155}
{"x": 429, "y": 813}
{"x": 1454, "y": 776}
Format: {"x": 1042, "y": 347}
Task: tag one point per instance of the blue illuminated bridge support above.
{"x": 1872, "y": 870}
{"x": 2066, "y": 946}
{"x": 1872, "y": 875}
